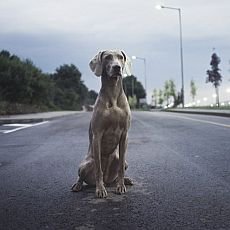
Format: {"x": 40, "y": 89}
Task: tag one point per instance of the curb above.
{"x": 21, "y": 121}
{"x": 33, "y": 120}
{"x": 212, "y": 113}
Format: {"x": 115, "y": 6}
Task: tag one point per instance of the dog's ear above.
{"x": 128, "y": 64}
{"x": 96, "y": 64}
{"x": 124, "y": 55}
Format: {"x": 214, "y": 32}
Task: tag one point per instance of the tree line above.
{"x": 25, "y": 88}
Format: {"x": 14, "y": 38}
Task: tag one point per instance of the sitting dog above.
{"x": 108, "y": 131}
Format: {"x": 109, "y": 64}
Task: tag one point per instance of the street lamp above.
{"x": 181, "y": 47}
{"x": 144, "y": 60}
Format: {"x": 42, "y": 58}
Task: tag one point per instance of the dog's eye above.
{"x": 109, "y": 57}
{"x": 120, "y": 57}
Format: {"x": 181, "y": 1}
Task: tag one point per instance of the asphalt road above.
{"x": 180, "y": 165}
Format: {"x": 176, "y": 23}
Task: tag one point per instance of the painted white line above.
{"x": 14, "y": 130}
{"x": 22, "y": 126}
{"x": 40, "y": 123}
{"x": 202, "y": 121}
{"x": 16, "y": 125}
{"x": 2, "y": 131}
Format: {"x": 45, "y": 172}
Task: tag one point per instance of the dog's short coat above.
{"x": 108, "y": 130}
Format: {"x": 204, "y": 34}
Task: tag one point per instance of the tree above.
{"x": 40, "y": 84}
{"x": 193, "y": 89}
{"x": 170, "y": 93}
{"x": 160, "y": 97}
{"x": 172, "y": 89}
{"x": 155, "y": 97}
{"x": 71, "y": 93}
{"x": 166, "y": 91}
{"x": 132, "y": 102}
{"x": 92, "y": 96}
{"x": 21, "y": 81}
{"x": 214, "y": 76}
{"x": 169, "y": 90}
{"x": 133, "y": 87}
{"x": 5, "y": 53}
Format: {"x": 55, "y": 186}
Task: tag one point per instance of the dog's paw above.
{"x": 128, "y": 181}
{"x": 101, "y": 192}
{"x": 121, "y": 189}
{"x": 77, "y": 187}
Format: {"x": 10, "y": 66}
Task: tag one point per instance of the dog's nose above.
{"x": 117, "y": 68}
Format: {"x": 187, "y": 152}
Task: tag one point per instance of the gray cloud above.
{"x": 54, "y": 32}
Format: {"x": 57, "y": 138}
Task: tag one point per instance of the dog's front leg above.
{"x": 121, "y": 170}
{"x": 100, "y": 188}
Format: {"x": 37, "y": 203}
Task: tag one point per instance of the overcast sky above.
{"x": 56, "y": 32}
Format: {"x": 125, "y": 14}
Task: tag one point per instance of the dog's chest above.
{"x": 116, "y": 118}
{"x": 115, "y": 121}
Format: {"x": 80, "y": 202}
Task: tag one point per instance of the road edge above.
{"x": 201, "y": 112}
{"x": 41, "y": 117}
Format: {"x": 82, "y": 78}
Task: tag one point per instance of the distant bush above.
{"x": 8, "y": 108}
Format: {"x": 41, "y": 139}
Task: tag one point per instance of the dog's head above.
{"x": 111, "y": 63}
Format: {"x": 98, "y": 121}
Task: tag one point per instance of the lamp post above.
{"x": 144, "y": 60}
{"x": 181, "y": 48}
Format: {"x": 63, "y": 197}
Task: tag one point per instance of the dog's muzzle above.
{"x": 116, "y": 71}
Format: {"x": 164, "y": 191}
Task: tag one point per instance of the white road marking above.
{"x": 20, "y": 126}
{"x": 202, "y": 121}
{"x": 2, "y": 131}
{"x": 16, "y": 125}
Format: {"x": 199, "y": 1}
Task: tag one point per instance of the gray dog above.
{"x": 108, "y": 131}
